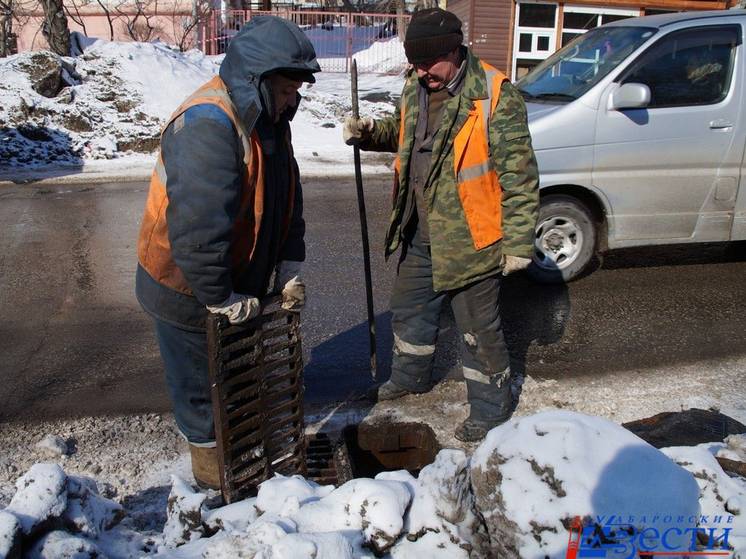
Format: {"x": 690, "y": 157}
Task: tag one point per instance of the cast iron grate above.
{"x": 327, "y": 460}
{"x": 256, "y": 373}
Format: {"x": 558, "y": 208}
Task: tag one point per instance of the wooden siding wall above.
{"x": 491, "y": 32}
{"x": 487, "y": 29}
{"x": 462, "y": 8}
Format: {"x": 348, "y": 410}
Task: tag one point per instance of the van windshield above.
{"x": 573, "y": 70}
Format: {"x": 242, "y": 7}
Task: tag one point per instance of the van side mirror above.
{"x": 630, "y": 96}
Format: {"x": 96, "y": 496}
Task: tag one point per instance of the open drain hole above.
{"x": 387, "y": 446}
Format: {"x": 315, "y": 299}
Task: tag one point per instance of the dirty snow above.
{"x": 133, "y": 458}
{"x": 571, "y": 465}
{"x": 394, "y": 515}
{"x": 117, "y": 96}
{"x": 720, "y": 495}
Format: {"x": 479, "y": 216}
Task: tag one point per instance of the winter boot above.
{"x": 205, "y": 467}
{"x": 472, "y": 430}
{"x": 387, "y": 391}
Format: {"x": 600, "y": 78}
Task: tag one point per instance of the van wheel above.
{"x": 565, "y": 240}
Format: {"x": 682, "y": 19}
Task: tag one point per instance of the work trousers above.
{"x": 416, "y": 309}
{"x": 184, "y": 355}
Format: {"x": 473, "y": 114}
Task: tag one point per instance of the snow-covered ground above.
{"x": 106, "y": 116}
{"x": 517, "y": 495}
{"x": 600, "y": 468}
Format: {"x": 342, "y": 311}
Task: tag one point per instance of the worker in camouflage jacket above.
{"x": 464, "y": 211}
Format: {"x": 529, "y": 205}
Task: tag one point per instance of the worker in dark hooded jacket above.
{"x": 224, "y": 213}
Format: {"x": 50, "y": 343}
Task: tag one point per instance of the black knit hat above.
{"x": 432, "y": 33}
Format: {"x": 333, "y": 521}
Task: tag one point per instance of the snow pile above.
{"x": 721, "y": 495}
{"x": 377, "y": 48}
{"x": 50, "y": 504}
{"x": 538, "y": 472}
{"x": 572, "y": 465}
{"x": 382, "y": 56}
{"x": 53, "y": 446}
{"x": 317, "y": 127}
{"x": 290, "y": 517}
{"x": 441, "y": 522}
{"x": 734, "y": 448}
{"x": 111, "y": 101}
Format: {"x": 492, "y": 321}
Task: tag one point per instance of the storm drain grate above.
{"x": 327, "y": 460}
{"x": 256, "y": 373}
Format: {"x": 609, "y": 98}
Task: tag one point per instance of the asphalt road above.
{"x": 73, "y": 340}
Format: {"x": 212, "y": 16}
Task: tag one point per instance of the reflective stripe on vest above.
{"x": 402, "y": 115}
{"x": 487, "y": 108}
{"x": 477, "y": 181}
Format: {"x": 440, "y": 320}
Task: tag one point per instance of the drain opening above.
{"x": 386, "y": 446}
{"x": 327, "y": 461}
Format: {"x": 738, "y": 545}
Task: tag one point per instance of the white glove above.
{"x": 357, "y": 129}
{"x": 512, "y": 264}
{"x": 287, "y": 279}
{"x": 238, "y": 308}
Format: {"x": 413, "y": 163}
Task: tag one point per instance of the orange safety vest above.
{"x": 153, "y": 246}
{"x": 477, "y": 181}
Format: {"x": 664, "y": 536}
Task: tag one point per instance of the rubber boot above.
{"x": 388, "y": 391}
{"x": 471, "y": 431}
{"x": 205, "y": 467}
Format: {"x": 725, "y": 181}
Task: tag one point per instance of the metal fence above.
{"x": 374, "y": 40}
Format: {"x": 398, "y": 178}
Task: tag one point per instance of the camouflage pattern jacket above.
{"x": 456, "y": 262}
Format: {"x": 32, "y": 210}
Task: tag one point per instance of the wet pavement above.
{"x": 74, "y": 341}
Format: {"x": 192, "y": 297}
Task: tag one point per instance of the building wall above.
{"x": 486, "y": 26}
{"x": 462, "y": 8}
{"x": 491, "y": 27}
{"x": 167, "y": 19}
{"x": 491, "y": 32}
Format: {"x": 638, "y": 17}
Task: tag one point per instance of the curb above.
{"x": 96, "y": 177}
{"x": 42, "y": 177}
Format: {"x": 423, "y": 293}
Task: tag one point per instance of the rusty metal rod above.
{"x": 364, "y": 230}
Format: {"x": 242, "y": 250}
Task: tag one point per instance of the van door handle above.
{"x": 720, "y": 123}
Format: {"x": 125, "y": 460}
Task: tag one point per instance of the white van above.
{"x": 639, "y": 130}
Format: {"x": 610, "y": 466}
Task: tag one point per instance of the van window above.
{"x": 690, "y": 67}
{"x": 574, "y": 69}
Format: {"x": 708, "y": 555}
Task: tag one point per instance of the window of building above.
{"x": 654, "y": 12}
{"x": 535, "y": 35}
{"x": 692, "y": 67}
{"x": 577, "y": 20}
{"x": 537, "y": 27}
{"x": 537, "y": 15}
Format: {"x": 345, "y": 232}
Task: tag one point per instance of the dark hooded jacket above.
{"x": 203, "y": 158}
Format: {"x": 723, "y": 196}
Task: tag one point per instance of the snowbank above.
{"x": 540, "y": 471}
{"x": 64, "y": 115}
{"x": 573, "y": 465}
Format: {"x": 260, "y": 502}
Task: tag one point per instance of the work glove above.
{"x": 356, "y": 130}
{"x": 238, "y": 308}
{"x": 512, "y": 264}
{"x": 288, "y": 281}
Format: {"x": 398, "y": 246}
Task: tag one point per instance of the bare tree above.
{"x": 14, "y": 14}
{"x": 140, "y": 25}
{"x": 6, "y": 28}
{"x": 185, "y": 27}
{"x": 75, "y": 15}
{"x": 55, "y": 28}
{"x": 400, "y": 21}
{"x": 109, "y": 18}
